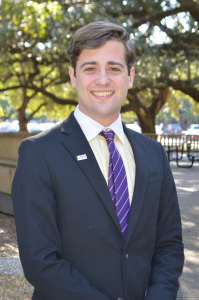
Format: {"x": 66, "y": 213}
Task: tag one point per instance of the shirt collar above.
{"x": 91, "y": 128}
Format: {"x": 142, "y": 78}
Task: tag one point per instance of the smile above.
{"x": 102, "y": 94}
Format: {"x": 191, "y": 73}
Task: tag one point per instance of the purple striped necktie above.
{"x": 117, "y": 181}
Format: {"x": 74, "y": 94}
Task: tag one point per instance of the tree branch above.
{"x": 178, "y": 45}
{"x": 126, "y": 12}
{"x": 53, "y": 81}
{"x": 159, "y": 15}
{"x": 131, "y": 107}
{"x": 142, "y": 87}
{"x": 32, "y": 96}
{"x": 35, "y": 73}
{"x": 194, "y": 12}
{"x": 11, "y": 88}
{"x": 53, "y": 97}
{"x": 44, "y": 92}
{"x": 134, "y": 103}
{"x": 185, "y": 86}
{"x": 45, "y": 76}
{"x": 8, "y": 76}
{"x": 159, "y": 101}
{"x": 34, "y": 112}
{"x": 144, "y": 6}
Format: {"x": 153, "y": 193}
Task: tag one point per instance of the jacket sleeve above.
{"x": 39, "y": 241}
{"x": 168, "y": 256}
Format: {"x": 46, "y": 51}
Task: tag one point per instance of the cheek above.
{"x": 82, "y": 84}
{"x": 122, "y": 83}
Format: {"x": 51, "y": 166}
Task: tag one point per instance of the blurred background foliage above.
{"x": 34, "y": 36}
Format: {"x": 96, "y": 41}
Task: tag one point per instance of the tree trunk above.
{"x": 22, "y": 112}
{"x": 22, "y": 120}
{"x": 146, "y": 115}
{"x": 147, "y": 122}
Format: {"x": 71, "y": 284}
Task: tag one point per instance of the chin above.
{"x": 104, "y": 113}
{"x": 106, "y": 109}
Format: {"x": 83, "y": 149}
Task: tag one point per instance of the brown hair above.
{"x": 94, "y": 35}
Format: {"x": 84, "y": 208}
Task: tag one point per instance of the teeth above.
{"x": 102, "y": 94}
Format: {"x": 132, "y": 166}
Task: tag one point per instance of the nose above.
{"x": 102, "y": 78}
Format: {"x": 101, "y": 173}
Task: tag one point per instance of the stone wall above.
{"x": 9, "y": 144}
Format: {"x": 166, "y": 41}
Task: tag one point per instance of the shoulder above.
{"x": 52, "y": 137}
{"x": 142, "y": 139}
{"x": 44, "y": 140}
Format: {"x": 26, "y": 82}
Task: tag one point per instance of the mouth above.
{"x": 102, "y": 94}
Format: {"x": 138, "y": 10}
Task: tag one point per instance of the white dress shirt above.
{"x": 91, "y": 130}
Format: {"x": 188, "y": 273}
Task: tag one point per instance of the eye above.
{"x": 90, "y": 69}
{"x": 114, "y": 69}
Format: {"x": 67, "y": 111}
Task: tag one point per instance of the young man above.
{"x": 95, "y": 203}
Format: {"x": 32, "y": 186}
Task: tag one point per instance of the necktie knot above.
{"x": 109, "y": 135}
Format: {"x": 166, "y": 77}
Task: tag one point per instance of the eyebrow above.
{"x": 115, "y": 63}
{"x": 88, "y": 63}
{"x": 96, "y": 63}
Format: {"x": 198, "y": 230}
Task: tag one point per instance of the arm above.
{"x": 39, "y": 241}
{"x": 168, "y": 256}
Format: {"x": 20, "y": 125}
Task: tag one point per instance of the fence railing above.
{"x": 174, "y": 140}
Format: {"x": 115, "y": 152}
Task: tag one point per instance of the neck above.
{"x": 106, "y": 121}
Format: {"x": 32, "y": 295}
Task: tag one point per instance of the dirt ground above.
{"x": 8, "y": 238}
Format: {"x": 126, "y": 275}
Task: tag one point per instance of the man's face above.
{"x": 102, "y": 81}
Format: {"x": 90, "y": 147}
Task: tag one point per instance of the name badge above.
{"x": 82, "y": 157}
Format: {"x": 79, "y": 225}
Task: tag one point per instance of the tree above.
{"x": 176, "y": 57}
{"x": 36, "y": 34}
{"x": 29, "y": 82}
{"x": 31, "y": 64}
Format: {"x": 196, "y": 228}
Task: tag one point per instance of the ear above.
{"x": 131, "y": 77}
{"x": 72, "y": 77}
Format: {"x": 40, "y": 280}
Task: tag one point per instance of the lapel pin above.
{"x": 82, "y": 157}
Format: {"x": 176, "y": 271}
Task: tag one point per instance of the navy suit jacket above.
{"x": 70, "y": 242}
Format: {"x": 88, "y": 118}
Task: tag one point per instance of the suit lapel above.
{"x": 141, "y": 178}
{"x": 76, "y": 143}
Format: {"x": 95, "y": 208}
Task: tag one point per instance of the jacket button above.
{"x": 126, "y": 256}
{"x": 120, "y": 298}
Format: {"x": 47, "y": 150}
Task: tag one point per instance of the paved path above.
{"x": 187, "y": 182}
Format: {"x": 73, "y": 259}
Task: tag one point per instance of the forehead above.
{"x": 110, "y": 51}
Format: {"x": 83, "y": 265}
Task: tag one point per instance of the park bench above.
{"x": 182, "y": 150}
{"x": 179, "y": 146}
